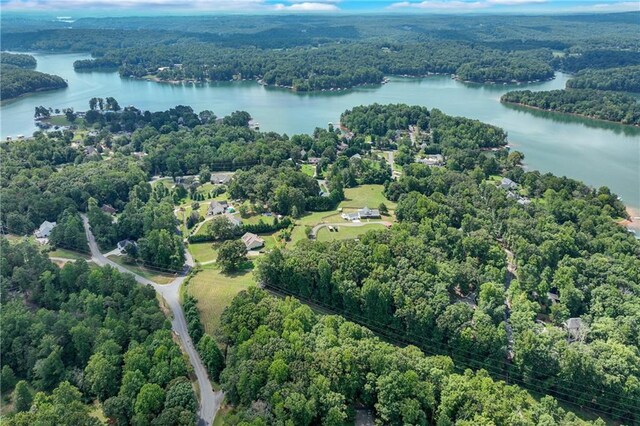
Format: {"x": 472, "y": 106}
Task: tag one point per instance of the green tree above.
{"x": 231, "y": 255}
{"x": 181, "y": 395}
{"x": 211, "y": 356}
{"x": 22, "y": 397}
{"x": 150, "y": 400}
{"x": 102, "y": 376}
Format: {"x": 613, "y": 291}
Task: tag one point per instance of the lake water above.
{"x": 597, "y": 153}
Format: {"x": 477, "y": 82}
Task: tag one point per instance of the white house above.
{"x": 252, "y": 241}
{"x": 364, "y": 213}
{"x": 45, "y": 229}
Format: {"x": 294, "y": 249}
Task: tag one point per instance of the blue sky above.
{"x": 327, "y": 6}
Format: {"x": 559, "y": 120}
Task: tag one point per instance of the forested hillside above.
{"x": 596, "y": 104}
{"x": 80, "y": 334}
{"x": 625, "y": 79}
{"x": 287, "y": 364}
{"x": 339, "y": 52}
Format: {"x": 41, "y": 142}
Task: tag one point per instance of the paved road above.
{"x": 210, "y": 401}
{"x": 319, "y": 226}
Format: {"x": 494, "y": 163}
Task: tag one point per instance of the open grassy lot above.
{"x": 203, "y": 252}
{"x": 214, "y": 291}
{"x": 68, "y": 254}
{"x": 345, "y": 232}
{"x": 365, "y": 195}
{"x": 308, "y": 169}
{"x": 150, "y": 274}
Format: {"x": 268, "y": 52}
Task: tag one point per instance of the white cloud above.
{"x": 621, "y": 6}
{"x": 515, "y": 2}
{"x": 213, "y": 5}
{"x": 441, "y": 5}
{"x": 308, "y": 7}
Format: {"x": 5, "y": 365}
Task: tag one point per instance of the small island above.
{"x": 19, "y": 76}
{"x": 594, "y": 104}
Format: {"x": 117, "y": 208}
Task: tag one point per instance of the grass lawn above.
{"x": 365, "y": 195}
{"x": 96, "y": 412}
{"x": 214, "y": 291}
{"x": 308, "y": 169}
{"x": 150, "y": 274}
{"x": 67, "y": 254}
{"x": 313, "y": 218}
{"x": 61, "y": 120}
{"x": 203, "y": 252}
{"x": 346, "y": 232}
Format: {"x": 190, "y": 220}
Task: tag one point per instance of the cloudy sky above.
{"x": 331, "y": 6}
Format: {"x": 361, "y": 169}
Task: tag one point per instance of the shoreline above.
{"x": 632, "y": 223}
{"x": 574, "y": 114}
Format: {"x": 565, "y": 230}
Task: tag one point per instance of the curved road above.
{"x": 319, "y": 226}
{"x": 210, "y": 401}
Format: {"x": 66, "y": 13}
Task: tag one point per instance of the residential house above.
{"x": 45, "y": 229}
{"x": 217, "y": 207}
{"x": 574, "y": 327}
{"x": 313, "y": 160}
{"x": 252, "y": 241}
{"x": 355, "y": 157}
{"x": 108, "y": 208}
{"x": 90, "y": 151}
{"x": 364, "y": 213}
{"x": 122, "y": 245}
{"x": 508, "y": 184}
{"x": 234, "y": 220}
{"x": 432, "y": 160}
{"x": 221, "y": 179}
{"x": 367, "y": 213}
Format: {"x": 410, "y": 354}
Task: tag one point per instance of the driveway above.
{"x": 319, "y": 226}
{"x": 210, "y": 401}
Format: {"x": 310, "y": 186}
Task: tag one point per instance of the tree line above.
{"x": 601, "y": 105}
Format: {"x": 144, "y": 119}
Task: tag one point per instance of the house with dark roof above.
{"x": 108, "y": 208}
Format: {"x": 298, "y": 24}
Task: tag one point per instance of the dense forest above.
{"x": 77, "y": 334}
{"x": 335, "y": 52}
{"x": 18, "y": 60}
{"x": 286, "y": 364}
{"x": 626, "y": 79}
{"x": 18, "y": 77}
{"x": 438, "y": 280}
{"x": 597, "y": 104}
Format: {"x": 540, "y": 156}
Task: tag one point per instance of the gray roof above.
{"x": 234, "y": 220}
{"x": 45, "y": 229}
{"x": 367, "y": 212}
{"x": 252, "y": 240}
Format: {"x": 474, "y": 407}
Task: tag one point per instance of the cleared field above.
{"x": 203, "y": 252}
{"x": 214, "y": 291}
{"x": 345, "y": 232}
{"x": 67, "y": 254}
{"x": 308, "y": 169}
{"x": 150, "y": 274}
{"x": 366, "y": 195}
